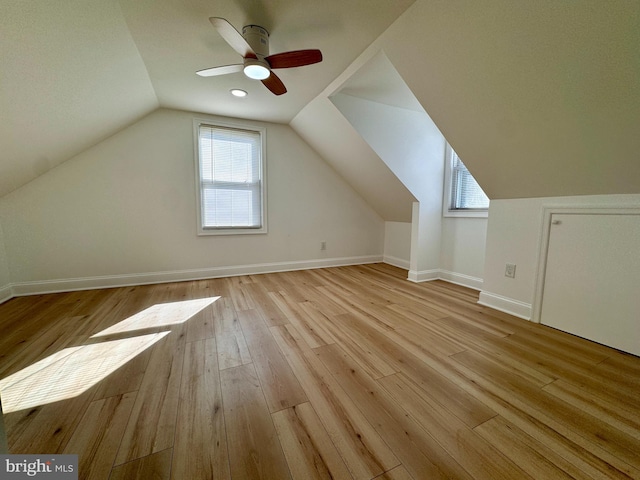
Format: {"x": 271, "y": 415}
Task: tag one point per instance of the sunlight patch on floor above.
{"x": 70, "y": 372}
{"x": 159, "y": 315}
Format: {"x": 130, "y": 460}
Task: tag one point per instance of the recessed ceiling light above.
{"x": 236, "y": 92}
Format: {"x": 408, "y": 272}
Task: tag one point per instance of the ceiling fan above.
{"x": 253, "y": 45}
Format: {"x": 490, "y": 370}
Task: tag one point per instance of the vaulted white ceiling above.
{"x": 70, "y": 75}
{"x": 539, "y": 98}
{"x": 175, "y": 38}
{"x": 73, "y": 72}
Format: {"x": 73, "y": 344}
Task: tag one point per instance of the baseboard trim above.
{"x": 497, "y": 302}
{"x": 6, "y": 293}
{"x": 507, "y": 305}
{"x": 396, "y": 262}
{"x": 110, "y": 281}
{"x": 468, "y": 281}
{"x": 423, "y": 275}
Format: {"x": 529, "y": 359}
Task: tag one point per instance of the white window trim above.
{"x": 263, "y": 165}
{"x": 446, "y": 200}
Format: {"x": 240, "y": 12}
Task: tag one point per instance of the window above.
{"x": 230, "y": 173}
{"x": 463, "y": 195}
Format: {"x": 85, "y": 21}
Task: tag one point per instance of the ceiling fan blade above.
{"x": 296, "y": 58}
{"x": 233, "y": 37}
{"x": 223, "y": 70}
{"x": 273, "y": 83}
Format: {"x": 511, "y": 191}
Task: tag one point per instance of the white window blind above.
{"x": 466, "y": 194}
{"x": 230, "y": 166}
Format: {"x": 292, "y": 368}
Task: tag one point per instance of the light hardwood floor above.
{"x": 349, "y": 372}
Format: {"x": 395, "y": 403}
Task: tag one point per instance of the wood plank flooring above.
{"x": 339, "y": 373}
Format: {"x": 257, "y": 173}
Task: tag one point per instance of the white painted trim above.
{"x": 108, "y": 281}
{"x": 446, "y": 198}
{"x": 545, "y": 232}
{"x": 424, "y": 275}
{"x": 461, "y": 279}
{"x": 6, "y": 293}
{"x": 468, "y": 281}
{"x": 396, "y": 262}
{"x": 506, "y": 305}
{"x": 241, "y": 125}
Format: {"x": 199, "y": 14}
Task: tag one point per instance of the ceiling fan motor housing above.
{"x": 253, "y": 45}
{"x": 258, "y": 38}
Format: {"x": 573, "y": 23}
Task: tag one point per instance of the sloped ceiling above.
{"x": 73, "y": 72}
{"x": 323, "y": 127}
{"x": 175, "y": 38}
{"x": 327, "y": 130}
{"x": 70, "y": 75}
{"x": 538, "y": 98}
{"x": 378, "y": 81}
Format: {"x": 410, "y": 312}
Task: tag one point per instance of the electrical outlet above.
{"x": 323, "y": 245}
{"x": 510, "y": 270}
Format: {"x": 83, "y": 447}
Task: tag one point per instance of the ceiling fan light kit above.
{"x": 256, "y": 69}
{"x": 257, "y": 64}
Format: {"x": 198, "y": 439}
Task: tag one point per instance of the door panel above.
{"x": 592, "y": 280}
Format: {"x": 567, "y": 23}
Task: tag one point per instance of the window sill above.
{"x": 466, "y": 213}
{"x": 231, "y": 231}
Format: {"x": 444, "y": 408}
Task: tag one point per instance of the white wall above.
{"x": 458, "y": 250}
{"x": 5, "y": 278}
{"x": 406, "y": 140}
{"x": 514, "y": 236}
{"x": 127, "y": 207}
{"x": 451, "y": 248}
{"x": 326, "y": 130}
{"x": 413, "y": 148}
{"x": 397, "y": 244}
{"x": 463, "y": 250}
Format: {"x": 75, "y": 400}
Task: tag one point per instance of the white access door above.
{"x": 592, "y": 280}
